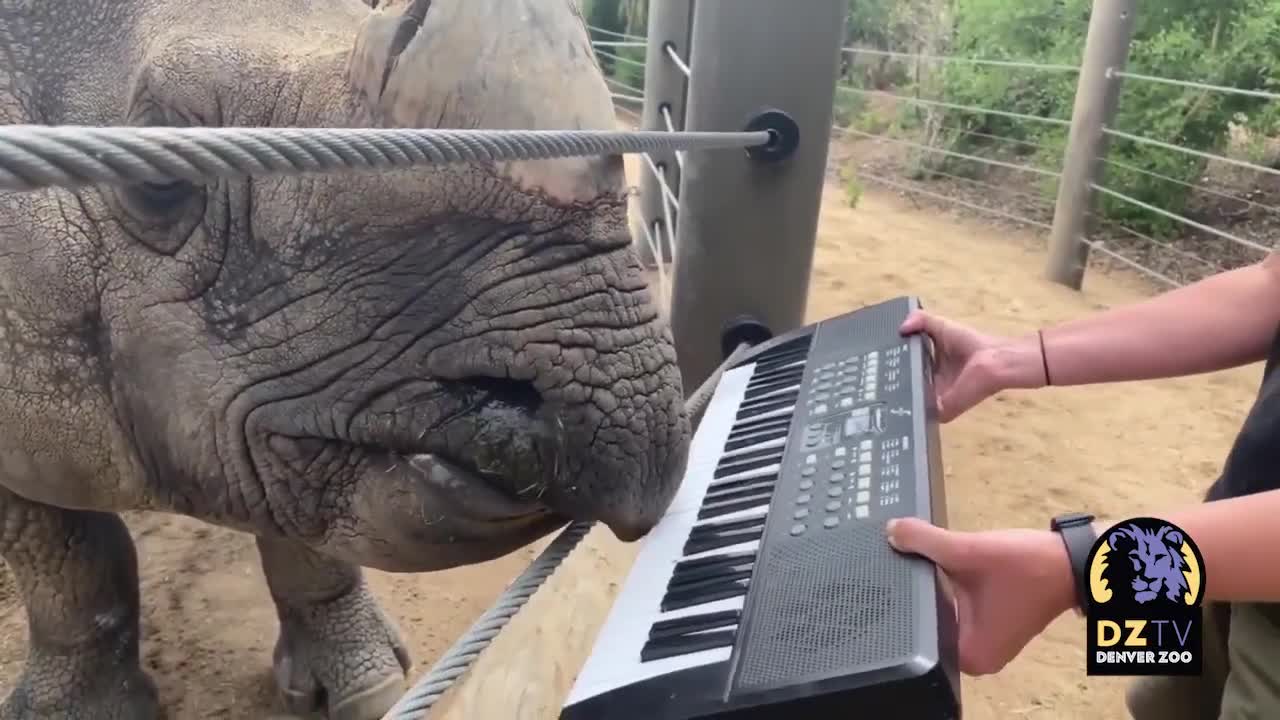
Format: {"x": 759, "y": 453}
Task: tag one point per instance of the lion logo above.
{"x": 1161, "y": 565}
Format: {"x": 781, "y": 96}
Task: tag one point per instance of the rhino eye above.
{"x": 157, "y": 200}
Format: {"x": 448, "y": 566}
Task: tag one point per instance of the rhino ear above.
{"x": 62, "y": 63}
{"x": 383, "y": 37}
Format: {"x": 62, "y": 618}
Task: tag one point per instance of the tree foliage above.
{"x": 1233, "y": 43}
{"x": 628, "y": 17}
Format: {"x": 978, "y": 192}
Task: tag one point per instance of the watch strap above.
{"x": 1078, "y": 535}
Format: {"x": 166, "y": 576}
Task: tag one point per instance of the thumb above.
{"x": 918, "y": 320}
{"x": 913, "y": 535}
{"x": 964, "y": 392}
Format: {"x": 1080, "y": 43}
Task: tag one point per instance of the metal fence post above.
{"x": 1097, "y": 95}
{"x": 664, "y": 87}
{"x": 747, "y": 230}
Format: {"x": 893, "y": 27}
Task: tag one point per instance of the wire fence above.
{"x": 937, "y": 147}
{"x": 978, "y": 159}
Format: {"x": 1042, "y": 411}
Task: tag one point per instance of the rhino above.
{"x": 408, "y": 370}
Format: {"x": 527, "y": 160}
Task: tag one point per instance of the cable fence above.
{"x": 926, "y": 140}
{"x": 657, "y": 233}
{"x": 1170, "y": 174}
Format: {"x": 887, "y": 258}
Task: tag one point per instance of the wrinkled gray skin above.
{"x": 409, "y": 371}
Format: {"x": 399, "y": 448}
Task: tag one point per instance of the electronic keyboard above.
{"x": 768, "y": 589}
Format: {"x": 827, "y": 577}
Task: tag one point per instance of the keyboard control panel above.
{"x": 856, "y": 441}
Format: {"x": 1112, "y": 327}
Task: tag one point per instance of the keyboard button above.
{"x": 831, "y": 522}
{"x": 806, "y": 484}
{"x": 862, "y": 497}
{"x": 797, "y": 529}
{"x": 836, "y": 491}
{"x": 861, "y": 512}
{"x": 837, "y": 477}
{"x": 833, "y": 505}
{"x": 802, "y": 513}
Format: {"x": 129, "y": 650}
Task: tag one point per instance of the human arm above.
{"x": 1223, "y": 321}
{"x": 1010, "y": 584}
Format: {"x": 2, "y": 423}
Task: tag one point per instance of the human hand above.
{"x": 1008, "y": 585}
{"x": 970, "y": 366}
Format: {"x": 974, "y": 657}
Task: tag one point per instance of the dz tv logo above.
{"x": 1146, "y": 583}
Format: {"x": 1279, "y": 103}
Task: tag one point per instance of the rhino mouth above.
{"x": 485, "y": 449}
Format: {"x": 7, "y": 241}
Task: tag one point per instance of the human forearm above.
{"x": 1220, "y": 322}
{"x": 1236, "y": 537}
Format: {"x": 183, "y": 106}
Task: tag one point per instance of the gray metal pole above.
{"x": 664, "y": 87}
{"x": 747, "y": 230}
{"x": 1097, "y": 95}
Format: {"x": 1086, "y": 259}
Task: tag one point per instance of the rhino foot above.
{"x": 82, "y": 691}
{"x": 77, "y": 573}
{"x": 337, "y": 652}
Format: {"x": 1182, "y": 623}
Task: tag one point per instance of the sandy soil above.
{"x": 209, "y": 626}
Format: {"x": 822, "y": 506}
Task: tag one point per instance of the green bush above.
{"x": 1229, "y": 42}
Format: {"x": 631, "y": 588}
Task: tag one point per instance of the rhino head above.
{"x": 406, "y": 370}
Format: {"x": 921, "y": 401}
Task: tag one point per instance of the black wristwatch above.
{"x": 1078, "y": 535}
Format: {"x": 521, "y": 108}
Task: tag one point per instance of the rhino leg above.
{"x": 337, "y": 651}
{"x": 77, "y": 572}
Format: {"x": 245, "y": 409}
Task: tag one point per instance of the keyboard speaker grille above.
{"x": 829, "y": 602}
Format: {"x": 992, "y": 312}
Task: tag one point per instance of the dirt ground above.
{"x": 209, "y": 626}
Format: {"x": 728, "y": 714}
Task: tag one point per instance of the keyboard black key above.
{"x": 741, "y": 466}
{"x": 708, "y": 529}
{"x": 772, "y": 372}
{"x": 694, "y": 623}
{"x": 725, "y": 539}
{"x": 769, "y": 408}
{"x": 773, "y": 387}
{"x": 775, "y": 445}
{"x": 719, "y": 591}
{"x": 714, "y": 560}
{"x": 747, "y": 427}
{"x": 709, "y": 574}
{"x": 746, "y": 438}
{"x": 762, "y": 486}
{"x": 720, "y": 509}
{"x": 725, "y": 492}
{"x": 686, "y": 645}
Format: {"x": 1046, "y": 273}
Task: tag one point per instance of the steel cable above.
{"x": 39, "y": 156}
{"x": 964, "y": 60}
{"x": 614, "y": 33}
{"x": 679, "y": 61}
{"x": 457, "y": 660}
{"x": 666, "y": 117}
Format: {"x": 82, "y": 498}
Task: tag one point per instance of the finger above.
{"x": 917, "y": 321}
{"x": 913, "y": 535}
